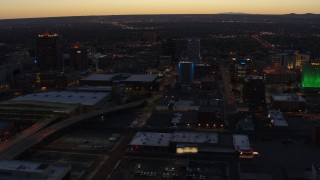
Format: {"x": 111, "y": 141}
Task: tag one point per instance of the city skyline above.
{"x": 34, "y": 8}
{"x": 184, "y": 90}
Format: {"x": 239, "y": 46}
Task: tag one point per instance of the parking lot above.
{"x": 122, "y": 119}
{"x": 163, "y": 120}
{"x": 286, "y": 159}
{"x": 142, "y": 168}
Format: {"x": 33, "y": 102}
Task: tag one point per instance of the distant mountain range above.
{"x": 233, "y": 13}
{"x": 291, "y": 16}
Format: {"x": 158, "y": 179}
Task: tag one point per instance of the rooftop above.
{"x": 123, "y": 77}
{"x": 185, "y": 62}
{"x": 141, "y": 78}
{"x": 164, "y": 139}
{"x": 151, "y": 139}
{"x": 202, "y": 65}
{"x": 195, "y": 137}
{"x": 99, "y": 77}
{"x": 31, "y": 170}
{"x": 93, "y": 88}
{"x": 288, "y": 98}
{"x": 23, "y": 166}
{"x": 277, "y": 119}
{"x": 37, "y": 106}
{"x": 65, "y": 97}
{"x": 241, "y": 142}
{"x": 48, "y": 34}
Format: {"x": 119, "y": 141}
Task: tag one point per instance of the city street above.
{"x": 228, "y": 97}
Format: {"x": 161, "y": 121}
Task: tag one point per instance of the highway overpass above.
{"x": 25, "y": 142}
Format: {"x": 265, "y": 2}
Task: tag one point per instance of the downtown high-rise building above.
{"x": 186, "y": 72}
{"x": 49, "y": 52}
{"x": 3, "y": 53}
{"x": 194, "y": 50}
{"x": 288, "y": 60}
{"x": 254, "y": 90}
{"x": 79, "y": 57}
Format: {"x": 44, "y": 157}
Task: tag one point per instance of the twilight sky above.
{"x": 48, "y": 8}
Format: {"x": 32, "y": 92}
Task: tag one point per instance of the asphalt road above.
{"x": 114, "y": 157}
{"x": 228, "y": 97}
{"x": 28, "y": 140}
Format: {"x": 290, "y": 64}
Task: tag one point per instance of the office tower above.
{"x": 288, "y": 60}
{"x": 3, "y": 53}
{"x": 49, "y": 52}
{"x": 240, "y": 68}
{"x": 186, "y": 73}
{"x": 254, "y": 90}
{"x": 275, "y": 61}
{"x": 301, "y": 59}
{"x": 311, "y": 75}
{"x": 169, "y": 48}
{"x": 79, "y": 57}
{"x": 147, "y": 60}
{"x": 201, "y": 71}
{"x": 194, "y": 50}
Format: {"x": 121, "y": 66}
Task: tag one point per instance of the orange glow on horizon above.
{"x": 37, "y": 8}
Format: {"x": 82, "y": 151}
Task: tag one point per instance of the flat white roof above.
{"x": 241, "y": 142}
{"x": 151, "y": 139}
{"x": 99, "y": 77}
{"x": 288, "y": 98}
{"x": 20, "y": 166}
{"x": 65, "y": 97}
{"x": 279, "y": 122}
{"x": 31, "y": 170}
{"x": 277, "y": 119}
{"x": 195, "y": 137}
{"x": 164, "y": 139}
{"x": 141, "y": 78}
